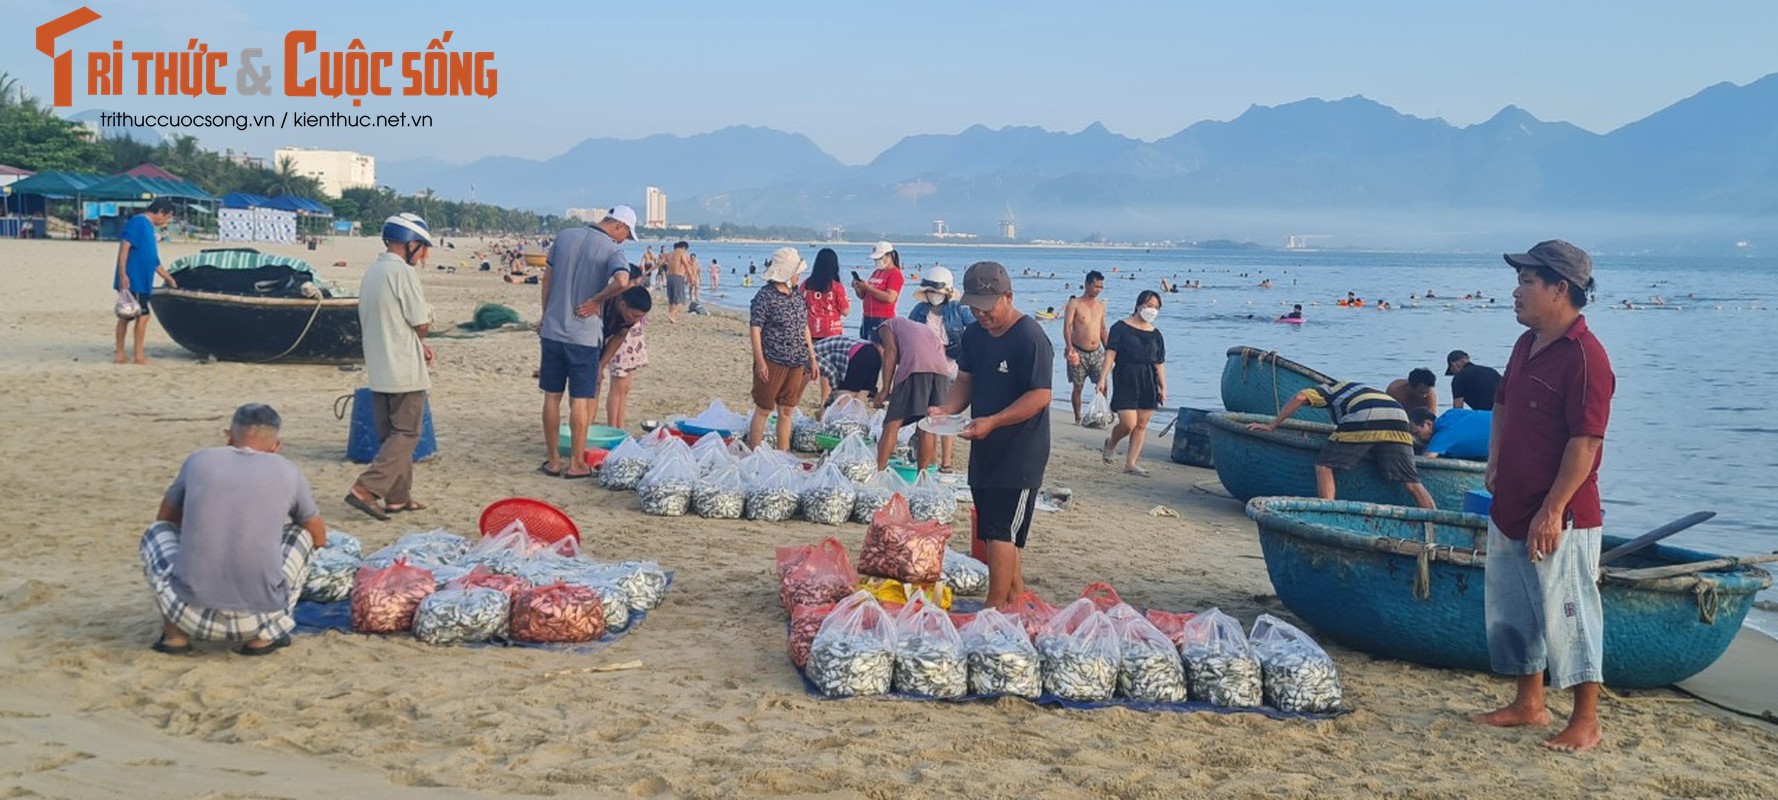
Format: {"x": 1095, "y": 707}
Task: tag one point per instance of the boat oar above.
{"x": 1675, "y": 570}
{"x": 1655, "y": 535}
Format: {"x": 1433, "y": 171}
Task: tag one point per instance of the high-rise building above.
{"x": 587, "y": 215}
{"x": 335, "y": 170}
{"x": 939, "y": 228}
{"x": 655, "y": 215}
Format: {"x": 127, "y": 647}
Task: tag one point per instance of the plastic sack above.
{"x": 965, "y": 574}
{"x": 805, "y": 622}
{"x": 815, "y": 574}
{"x": 625, "y": 465}
{"x": 456, "y": 616}
{"x": 720, "y": 494}
{"x": 1103, "y": 596}
{"x": 1031, "y": 612}
{"x": 890, "y": 591}
{"x": 1098, "y": 412}
{"x": 330, "y": 577}
{"x": 385, "y": 599}
{"x": 872, "y": 495}
{"x": 345, "y": 542}
{"x": 854, "y": 652}
{"x": 896, "y": 546}
{"x": 931, "y": 500}
{"x": 848, "y": 415}
{"x": 1078, "y": 650}
{"x": 718, "y": 417}
{"x": 774, "y": 495}
{"x": 644, "y": 582}
{"x": 1149, "y": 669}
{"x": 653, "y": 440}
{"x": 665, "y": 491}
{"x": 854, "y": 459}
{"x": 1170, "y": 623}
{"x": 1219, "y": 664}
{"x": 1299, "y": 676}
{"x": 482, "y": 578}
{"x": 559, "y": 612}
{"x": 1000, "y": 656}
{"x": 443, "y": 574}
{"x": 126, "y": 306}
{"x": 711, "y": 453}
{"x": 929, "y": 660}
{"x": 433, "y": 547}
{"x": 827, "y": 496}
{"x": 803, "y": 433}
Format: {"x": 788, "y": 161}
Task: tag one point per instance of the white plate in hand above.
{"x": 944, "y": 424}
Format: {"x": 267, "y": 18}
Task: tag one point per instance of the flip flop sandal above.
{"x": 581, "y": 477}
{"x": 374, "y": 512}
{"x": 160, "y": 646}
{"x": 412, "y": 505}
{"x": 270, "y": 647}
{"x": 544, "y": 468}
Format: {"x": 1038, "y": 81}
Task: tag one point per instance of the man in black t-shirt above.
{"x": 1472, "y": 385}
{"x": 1004, "y": 378}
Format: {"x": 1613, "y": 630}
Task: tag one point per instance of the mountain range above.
{"x": 1706, "y": 166}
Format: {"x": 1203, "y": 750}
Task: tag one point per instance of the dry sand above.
{"x": 86, "y": 710}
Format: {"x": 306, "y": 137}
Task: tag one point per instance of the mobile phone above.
{"x": 855, "y": 276}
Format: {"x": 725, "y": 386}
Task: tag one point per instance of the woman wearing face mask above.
{"x": 1135, "y": 356}
{"x": 938, "y": 309}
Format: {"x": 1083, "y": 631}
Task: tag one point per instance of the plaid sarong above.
{"x": 160, "y": 550}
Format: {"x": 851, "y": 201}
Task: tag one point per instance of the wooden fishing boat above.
{"x": 1363, "y": 575}
{"x": 238, "y": 304}
{"x": 1282, "y": 462}
{"x": 1257, "y": 381}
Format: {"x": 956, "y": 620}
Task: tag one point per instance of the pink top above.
{"x": 917, "y": 349}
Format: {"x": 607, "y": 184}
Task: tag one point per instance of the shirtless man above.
{"x": 1083, "y": 328}
{"x": 1416, "y": 390}
{"x": 681, "y": 274}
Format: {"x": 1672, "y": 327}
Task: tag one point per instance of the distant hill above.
{"x": 147, "y": 136}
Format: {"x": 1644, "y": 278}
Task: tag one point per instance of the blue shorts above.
{"x": 1546, "y": 615}
{"x": 571, "y": 366}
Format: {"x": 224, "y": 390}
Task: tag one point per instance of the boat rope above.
{"x": 1705, "y": 592}
{"x": 299, "y": 337}
{"x": 1423, "y": 566}
{"x": 1277, "y": 402}
{"x": 340, "y": 404}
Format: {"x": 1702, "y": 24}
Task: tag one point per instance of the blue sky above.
{"x": 857, "y": 77}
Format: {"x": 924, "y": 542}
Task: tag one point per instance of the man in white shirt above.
{"x": 395, "y": 317}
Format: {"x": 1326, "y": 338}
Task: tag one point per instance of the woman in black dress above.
{"x": 1135, "y": 354}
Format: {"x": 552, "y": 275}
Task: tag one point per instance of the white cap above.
{"x": 882, "y": 249}
{"x": 625, "y": 215}
{"x": 939, "y": 276}
{"x": 784, "y": 265}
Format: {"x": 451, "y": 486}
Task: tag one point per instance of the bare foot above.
{"x": 143, "y": 360}
{"x": 1512, "y": 717}
{"x": 121, "y": 358}
{"x": 1578, "y": 737}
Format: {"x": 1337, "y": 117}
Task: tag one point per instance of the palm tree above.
{"x": 285, "y": 180}
{"x": 10, "y": 87}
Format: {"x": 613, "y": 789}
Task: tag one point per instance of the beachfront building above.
{"x": 655, "y": 212}
{"x": 335, "y": 170}
{"x": 586, "y": 215}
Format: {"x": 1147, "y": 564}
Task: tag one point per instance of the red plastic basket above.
{"x": 543, "y": 522}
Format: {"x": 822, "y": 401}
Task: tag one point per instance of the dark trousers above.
{"x": 398, "y": 418}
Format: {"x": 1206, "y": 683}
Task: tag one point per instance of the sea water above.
{"x": 1694, "y": 423}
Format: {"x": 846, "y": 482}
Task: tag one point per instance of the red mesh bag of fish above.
{"x": 557, "y": 613}
{"x": 815, "y": 574}
{"x": 483, "y": 578}
{"x": 805, "y": 622}
{"x": 1171, "y": 624}
{"x": 384, "y": 600}
{"x": 897, "y": 546}
{"x": 1031, "y": 611}
{"x": 1102, "y": 595}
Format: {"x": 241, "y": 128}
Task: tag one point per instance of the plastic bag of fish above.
{"x": 815, "y": 574}
{"x": 481, "y": 577}
{"x": 1149, "y": 668}
{"x": 931, "y": 500}
{"x": 854, "y": 652}
{"x": 929, "y": 659}
{"x": 896, "y": 546}
{"x": 803, "y": 431}
{"x": 384, "y": 600}
{"x": 431, "y": 548}
{"x": 711, "y": 453}
{"x": 457, "y": 616}
{"x": 615, "y": 605}
{"x": 849, "y": 415}
{"x": 827, "y": 496}
{"x": 665, "y": 491}
{"x": 1001, "y": 657}
{"x": 874, "y": 494}
{"x": 644, "y": 582}
{"x": 1219, "y": 664}
{"x": 805, "y": 622}
{"x": 1031, "y": 612}
{"x": 625, "y": 465}
{"x": 1299, "y": 676}
{"x": 331, "y": 572}
{"x": 774, "y": 495}
{"x": 854, "y": 459}
{"x": 557, "y": 613}
{"x": 1078, "y": 649}
{"x": 720, "y": 494}
{"x": 1098, "y": 412}
{"x": 965, "y": 574}
{"x": 344, "y": 542}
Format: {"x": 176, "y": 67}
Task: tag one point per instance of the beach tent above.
{"x": 134, "y": 187}
{"x": 149, "y": 169}
{"x": 31, "y": 196}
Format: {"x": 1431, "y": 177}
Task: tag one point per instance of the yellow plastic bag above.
{"x": 890, "y": 590}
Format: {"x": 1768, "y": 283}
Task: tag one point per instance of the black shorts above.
{"x": 1394, "y": 460}
{"x": 142, "y": 299}
{"x": 918, "y": 392}
{"x": 1004, "y": 515}
{"x": 574, "y": 367}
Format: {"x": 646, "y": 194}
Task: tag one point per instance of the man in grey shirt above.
{"x": 229, "y": 549}
{"x": 586, "y": 268}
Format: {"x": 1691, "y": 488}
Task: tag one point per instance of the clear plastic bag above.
{"x": 827, "y": 496}
{"x": 803, "y": 433}
{"x": 1149, "y": 668}
{"x": 559, "y": 612}
{"x": 875, "y": 493}
{"x": 1097, "y": 413}
{"x": 331, "y": 572}
{"x": 1104, "y": 597}
{"x": 931, "y": 500}
{"x": 711, "y": 453}
{"x": 1170, "y": 623}
{"x": 854, "y": 652}
{"x": 456, "y": 616}
{"x": 644, "y": 582}
{"x": 345, "y": 542}
{"x": 126, "y": 306}
{"x": 965, "y": 574}
{"x": 805, "y": 622}
{"x": 1078, "y": 648}
{"x": 815, "y": 574}
{"x": 929, "y": 660}
{"x": 718, "y": 417}
{"x": 854, "y": 459}
{"x": 774, "y": 495}
{"x": 443, "y": 574}
{"x": 385, "y": 599}
{"x": 848, "y": 415}
{"x": 1299, "y": 676}
{"x": 483, "y": 578}
{"x": 625, "y": 465}
{"x": 1002, "y": 660}
{"x": 1219, "y": 664}
{"x": 720, "y": 494}
{"x": 432, "y": 548}
{"x": 897, "y": 546}
{"x": 667, "y": 488}
{"x": 1031, "y": 612}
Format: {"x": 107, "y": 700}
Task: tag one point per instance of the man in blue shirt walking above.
{"x": 138, "y": 261}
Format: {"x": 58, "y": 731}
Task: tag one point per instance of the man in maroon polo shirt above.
{"x": 1550, "y": 412}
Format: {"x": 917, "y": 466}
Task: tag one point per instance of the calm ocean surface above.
{"x": 1694, "y": 422}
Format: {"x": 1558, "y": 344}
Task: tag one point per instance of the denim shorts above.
{"x": 1546, "y": 615}
{"x": 571, "y": 366}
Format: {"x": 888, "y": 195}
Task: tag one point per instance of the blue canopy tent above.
{"x": 138, "y": 190}
{"x": 32, "y": 196}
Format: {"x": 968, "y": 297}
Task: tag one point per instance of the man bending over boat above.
{"x": 1368, "y": 423}
{"x": 1550, "y": 412}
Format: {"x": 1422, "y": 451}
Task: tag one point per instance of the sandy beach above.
{"x": 716, "y": 710}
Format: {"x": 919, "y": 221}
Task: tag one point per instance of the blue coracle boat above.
{"x": 1256, "y": 381}
{"x": 1282, "y": 462}
{"x": 1361, "y": 574}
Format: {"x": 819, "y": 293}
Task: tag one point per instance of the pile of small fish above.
{"x": 715, "y": 500}
{"x": 827, "y": 504}
{"x": 1150, "y": 675}
{"x": 1075, "y": 672}
{"x": 344, "y": 542}
{"x": 443, "y": 574}
{"x": 384, "y": 600}
{"x": 645, "y": 583}
{"x": 429, "y": 548}
{"x": 1001, "y": 658}
{"x": 802, "y": 435}
{"x": 559, "y": 612}
{"x": 1224, "y": 679}
{"x": 666, "y": 496}
{"x": 841, "y": 428}
{"x": 930, "y": 666}
{"x": 509, "y": 585}
{"x": 931, "y": 500}
{"x": 867, "y": 501}
{"x": 897, "y": 547}
{"x": 965, "y": 574}
{"x": 456, "y": 616}
{"x": 1301, "y": 682}
{"x": 771, "y": 504}
{"x": 622, "y": 473}
{"x": 851, "y": 666}
{"x": 330, "y": 575}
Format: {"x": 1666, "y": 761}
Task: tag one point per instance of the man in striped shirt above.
{"x": 1367, "y": 422}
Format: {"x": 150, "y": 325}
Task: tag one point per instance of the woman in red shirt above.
{"x": 826, "y": 296}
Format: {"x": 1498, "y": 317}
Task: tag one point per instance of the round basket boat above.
{"x": 1256, "y": 381}
{"x": 1282, "y": 462}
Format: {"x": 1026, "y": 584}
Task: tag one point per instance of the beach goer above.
{"x": 1084, "y": 331}
{"x": 1472, "y": 385}
{"x": 1367, "y": 424}
{"x": 1457, "y": 433}
{"x": 1296, "y": 312}
{"x": 623, "y": 348}
{"x": 715, "y": 274}
{"x": 916, "y": 377}
{"x": 828, "y": 303}
{"x": 1135, "y": 357}
{"x": 1417, "y": 390}
{"x": 680, "y": 272}
{"x": 138, "y": 261}
{"x": 226, "y": 556}
{"x": 938, "y": 308}
{"x": 850, "y": 366}
{"x": 783, "y": 352}
{"x": 882, "y": 291}
{"x": 395, "y": 317}
{"x": 1004, "y": 379}
{"x": 587, "y": 267}
{"x": 1550, "y": 415}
